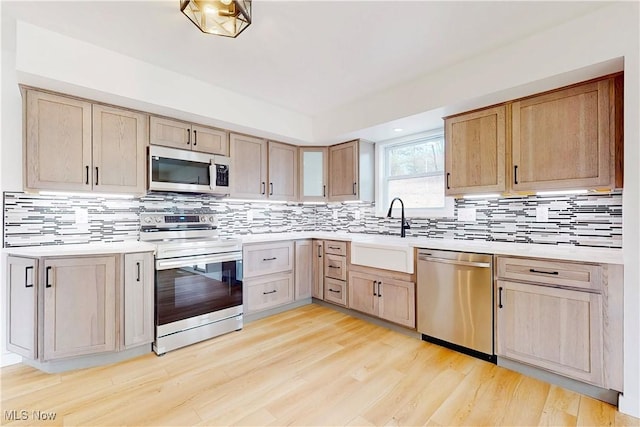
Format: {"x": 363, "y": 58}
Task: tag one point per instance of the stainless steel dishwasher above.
{"x": 455, "y": 301}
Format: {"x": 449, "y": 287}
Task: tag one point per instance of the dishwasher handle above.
{"x": 455, "y": 262}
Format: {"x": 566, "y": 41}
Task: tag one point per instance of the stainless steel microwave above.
{"x": 171, "y": 169}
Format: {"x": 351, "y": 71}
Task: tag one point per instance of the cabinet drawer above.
{"x": 336, "y": 248}
{"x": 558, "y": 273}
{"x": 267, "y": 259}
{"x": 268, "y": 292}
{"x": 335, "y": 267}
{"x": 335, "y": 291}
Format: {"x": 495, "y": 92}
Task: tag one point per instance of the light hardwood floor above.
{"x": 309, "y": 366}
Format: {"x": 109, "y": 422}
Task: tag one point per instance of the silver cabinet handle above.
{"x": 455, "y": 262}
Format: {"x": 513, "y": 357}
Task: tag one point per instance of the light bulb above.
{"x": 226, "y": 2}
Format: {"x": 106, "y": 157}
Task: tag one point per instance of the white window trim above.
{"x": 381, "y": 211}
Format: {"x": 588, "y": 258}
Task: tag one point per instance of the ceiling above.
{"x": 307, "y": 56}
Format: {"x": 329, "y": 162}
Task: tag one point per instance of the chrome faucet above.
{"x": 404, "y": 224}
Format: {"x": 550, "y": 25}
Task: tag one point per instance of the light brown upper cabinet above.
{"x": 69, "y": 148}
{"x": 565, "y": 139}
{"x": 283, "y": 171}
{"x": 313, "y": 174}
{"x": 475, "y": 152}
{"x": 119, "y": 155}
{"x": 569, "y": 138}
{"x": 351, "y": 171}
{"x": 188, "y": 136}
{"x": 263, "y": 169}
{"x": 57, "y": 147}
{"x": 249, "y": 169}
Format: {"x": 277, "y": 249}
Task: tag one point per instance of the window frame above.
{"x": 381, "y": 208}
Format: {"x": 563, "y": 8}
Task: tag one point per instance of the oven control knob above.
{"x": 158, "y": 219}
{"x": 203, "y": 219}
{"x": 212, "y": 220}
{"x": 148, "y": 220}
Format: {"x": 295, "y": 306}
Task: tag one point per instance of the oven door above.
{"x": 194, "y": 286}
{"x": 179, "y": 170}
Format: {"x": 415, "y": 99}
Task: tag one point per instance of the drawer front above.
{"x": 267, "y": 259}
{"x": 335, "y": 291}
{"x": 335, "y": 248}
{"x": 335, "y": 267}
{"x": 557, "y": 273}
{"x": 264, "y": 293}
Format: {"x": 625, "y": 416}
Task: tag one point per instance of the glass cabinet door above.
{"x": 313, "y": 173}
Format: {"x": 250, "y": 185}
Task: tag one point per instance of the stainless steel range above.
{"x": 198, "y": 283}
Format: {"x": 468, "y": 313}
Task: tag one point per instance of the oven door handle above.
{"x": 167, "y": 264}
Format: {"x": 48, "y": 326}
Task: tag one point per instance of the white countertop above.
{"x": 97, "y": 248}
{"x": 562, "y": 252}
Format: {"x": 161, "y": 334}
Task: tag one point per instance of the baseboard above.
{"x": 609, "y": 396}
{"x": 8, "y": 359}
{"x": 248, "y": 318}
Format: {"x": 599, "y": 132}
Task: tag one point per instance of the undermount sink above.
{"x": 395, "y": 255}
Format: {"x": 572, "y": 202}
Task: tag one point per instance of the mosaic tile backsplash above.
{"x": 584, "y": 220}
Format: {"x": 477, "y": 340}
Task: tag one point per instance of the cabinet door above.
{"x": 57, "y": 142}
{"x": 313, "y": 173}
{"x": 267, "y": 292}
{"x": 210, "y": 140}
{"x": 138, "y": 299}
{"x": 475, "y": 152}
{"x": 552, "y": 328}
{"x": 283, "y": 171}
{"x": 335, "y": 291}
{"x": 318, "y": 270}
{"x": 249, "y": 169}
{"x": 170, "y": 133}
{"x": 397, "y": 302}
{"x": 22, "y": 285}
{"x": 562, "y": 139}
{"x": 119, "y": 150}
{"x": 363, "y": 293}
{"x": 79, "y": 306}
{"x": 343, "y": 171}
{"x": 303, "y": 269}
{"x": 267, "y": 258}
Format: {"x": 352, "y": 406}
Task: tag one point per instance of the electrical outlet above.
{"x": 335, "y": 214}
{"x": 467, "y": 214}
{"x": 356, "y": 215}
{"x": 542, "y": 214}
{"x": 82, "y": 216}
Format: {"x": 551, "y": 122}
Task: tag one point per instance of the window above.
{"x": 412, "y": 168}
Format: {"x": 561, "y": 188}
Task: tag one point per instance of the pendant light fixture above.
{"x": 221, "y": 17}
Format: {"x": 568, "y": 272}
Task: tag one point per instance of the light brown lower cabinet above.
{"x": 561, "y": 316}
{"x": 303, "y": 269}
{"x": 317, "y": 290}
{"x": 553, "y": 328}
{"x": 63, "y": 307}
{"x": 22, "y": 291}
{"x": 268, "y": 292}
{"x": 372, "y": 292}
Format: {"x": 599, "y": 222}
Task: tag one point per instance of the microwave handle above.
{"x": 212, "y": 175}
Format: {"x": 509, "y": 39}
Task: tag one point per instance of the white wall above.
{"x": 547, "y": 59}
{"x": 579, "y": 49}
